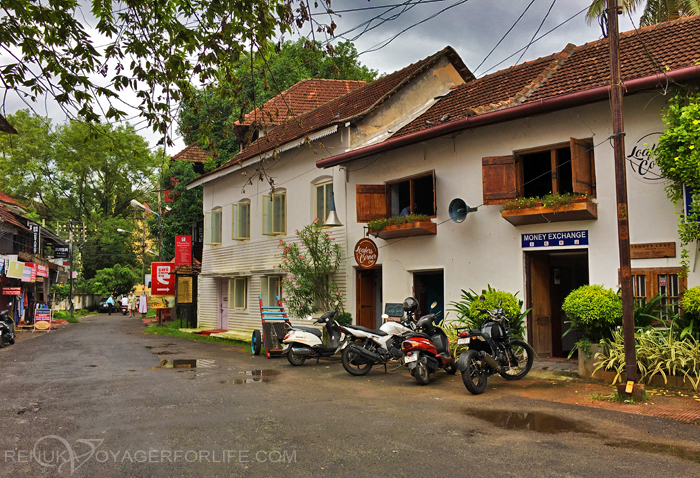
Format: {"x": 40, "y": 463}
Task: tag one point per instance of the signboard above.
{"x": 366, "y": 253}
{"x": 393, "y": 309}
{"x": 28, "y": 272}
{"x": 183, "y": 250}
{"x": 555, "y": 239}
{"x": 163, "y": 278}
{"x": 652, "y": 250}
{"x": 161, "y": 301}
{"x": 15, "y": 269}
{"x": 2, "y": 266}
{"x": 42, "y": 319}
{"x": 35, "y": 231}
{"x": 42, "y": 271}
{"x": 11, "y": 290}
{"x": 61, "y": 252}
{"x": 641, "y": 165}
{"x": 184, "y": 290}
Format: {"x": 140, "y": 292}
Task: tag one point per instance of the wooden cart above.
{"x": 275, "y": 324}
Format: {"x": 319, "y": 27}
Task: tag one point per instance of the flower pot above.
{"x": 586, "y": 364}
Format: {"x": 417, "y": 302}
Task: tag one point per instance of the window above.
{"x": 241, "y": 221}
{"x": 646, "y": 283}
{"x": 212, "y": 227}
{"x": 238, "y": 289}
{"x": 560, "y": 168}
{"x": 275, "y": 214}
{"x": 411, "y": 195}
{"x": 324, "y": 193}
{"x": 270, "y": 289}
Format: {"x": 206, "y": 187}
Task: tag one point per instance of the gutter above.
{"x": 533, "y": 108}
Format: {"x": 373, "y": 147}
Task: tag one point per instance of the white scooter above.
{"x": 301, "y": 343}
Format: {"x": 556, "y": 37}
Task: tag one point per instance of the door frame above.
{"x": 222, "y": 305}
{"x": 358, "y": 288}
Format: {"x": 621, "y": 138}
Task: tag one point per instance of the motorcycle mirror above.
{"x": 433, "y": 305}
{"x": 482, "y": 298}
{"x": 500, "y": 302}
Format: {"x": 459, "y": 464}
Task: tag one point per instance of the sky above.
{"x": 407, "y": 31}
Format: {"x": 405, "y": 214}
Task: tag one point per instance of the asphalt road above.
{"x": 85, "y": 401}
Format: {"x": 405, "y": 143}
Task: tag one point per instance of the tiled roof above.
{"x": 353, "y": 105}
{"x": 300, "y": 98}
{"x": 192, "y": 153}
{"x": 7, "y": 216}
{"x": 6, "y": 198}
{"x": 673, "y": 45}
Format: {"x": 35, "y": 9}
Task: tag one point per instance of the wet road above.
{"x": 99, "y": 399}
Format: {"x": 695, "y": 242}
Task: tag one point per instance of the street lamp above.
{"x": 135, "y": 203}
{"x": 332, "y": 220}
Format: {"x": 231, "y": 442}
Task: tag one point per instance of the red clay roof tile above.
{"x": 192, "y": 153}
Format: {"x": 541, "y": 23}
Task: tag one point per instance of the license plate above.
{"x": 410, "y": 358}
{"x": 463, "y": 340}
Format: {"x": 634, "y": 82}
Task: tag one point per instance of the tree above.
{"x": 309, "y": 265}
{"x": 209, "y": 117}
{"x": 105, "y": 245}
{"x": 117, "y": 280}
{"x": 153, "y": 47}
{"x": 655, "y": 11}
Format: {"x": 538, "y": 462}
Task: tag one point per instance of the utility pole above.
{"x": 613, "y": 11}
{"x": 70, "y": 277}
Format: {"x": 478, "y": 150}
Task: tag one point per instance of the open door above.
{"x": 222, "y": 316}
{"x": 368, "y": 304}
{"x": 541, "y": 314}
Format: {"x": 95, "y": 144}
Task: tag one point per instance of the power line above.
{"x": 536, "y": 32}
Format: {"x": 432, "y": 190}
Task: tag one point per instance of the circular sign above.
{"x": 366, "y": 253}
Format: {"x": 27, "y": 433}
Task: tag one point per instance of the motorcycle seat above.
{"x": 365, "y": 329}
{"x": 310, "y": 330}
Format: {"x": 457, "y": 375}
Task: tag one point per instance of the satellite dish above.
{"x": 458, "y": 210}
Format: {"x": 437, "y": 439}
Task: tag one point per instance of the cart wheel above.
{"x": 255, "y": 343}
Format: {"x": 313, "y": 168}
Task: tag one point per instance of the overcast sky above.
{"x": 471, "y": 27}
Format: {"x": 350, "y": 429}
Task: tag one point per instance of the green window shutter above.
{"x": 234, "y": 214}
{"x": 244, "y": 220}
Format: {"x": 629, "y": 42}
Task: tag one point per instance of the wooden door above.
{"x": 222, "y": 318}
{"x": 541, "y": 329}
{"x": 365, "y": 298}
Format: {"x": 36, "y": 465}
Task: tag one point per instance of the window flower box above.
{"x": 578, "y": 210}
{"x": 418, "y": 228}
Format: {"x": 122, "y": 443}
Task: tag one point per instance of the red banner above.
{"x": 11, "y": 290}
{"x": 42, "y": 271}
{"x": 162, "y": 278}
{"x": 183, "y": 250}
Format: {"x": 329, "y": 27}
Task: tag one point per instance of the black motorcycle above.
{"x": 7, "y": 329}
{"x": 492, "y": 351}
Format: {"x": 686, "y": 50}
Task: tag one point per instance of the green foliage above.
{"x": 678, "y": 156}
{"x": 658, "y": 352}
{"x": 117, "y": 280}
{"x": 655, "y": 11}
{"x": 469, "y": 316}
{"x": 593, "y": 310}
{"x": 687, "y": 323}
{"x": 344, "y": 318}
{"x": 549, "y": 200}
{"x": 172, "y": 329}
{"x": 645, "y": 314}
{"x": 690, "y": 302}
{"x": 106, "y": 246}
{"x": 377, "y": 225}
{"x": 59, "y": 293}
{"x": 309, "y": 265}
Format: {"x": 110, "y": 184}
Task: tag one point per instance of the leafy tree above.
{"x": 308, "y": 286}
{"x": 118, "y": 280}
{"x": 154, "y": 48}
{"x": 655, "y": 11}
{"x": 209, "y": 116}
{"x": 105, "y": 245}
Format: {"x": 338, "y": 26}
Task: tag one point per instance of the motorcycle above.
{"x": 366, "y": 347}
{"x": 7, "y": 329}
{"x": 125, "y": 309}
{"x": 492, "y": 351}
{"x": 305, "y": 342}
{"x": 428, "y": 350}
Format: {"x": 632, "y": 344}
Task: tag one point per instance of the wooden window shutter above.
{"x": 499, "y": 179}
{"x": 582, "y": 167}
{"x": 371, "y": 202}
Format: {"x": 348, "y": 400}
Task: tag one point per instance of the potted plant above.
{"x": 402, "y": 226}
{"x": 594, "y": 311}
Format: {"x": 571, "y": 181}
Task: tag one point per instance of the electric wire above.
{"x": 536, "y": 32}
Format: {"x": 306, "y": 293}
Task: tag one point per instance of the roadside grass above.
{"x": 617, "y": 398}
{"x": 171, "y": 329}
{"x": 65, "y": 315}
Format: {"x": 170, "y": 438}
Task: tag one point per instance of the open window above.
{"x": 275, "y": 214}
{"x": 241, "y": 221}
{"x": 400, "y": 197}
{"x": 556, "y": 169}
{"x": 212, "y": 227}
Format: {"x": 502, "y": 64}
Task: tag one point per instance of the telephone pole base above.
{"x": 637, "y": 393}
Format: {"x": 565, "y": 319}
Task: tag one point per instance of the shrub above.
{"x": 344, "y": 318}
{"x": 469, "y": 316}
{"x": 594, "y": 310}
{"x": 377, "y": 225}
{"x": 690, "y": 303}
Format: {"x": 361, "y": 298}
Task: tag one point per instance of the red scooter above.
{"x": 428, "y": 350}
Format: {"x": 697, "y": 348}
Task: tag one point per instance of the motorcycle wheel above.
{"x": 474, "y": 376}
{"x": 525, "y": 356}
{"x": 353, "y": 363}
{"x": 452, "y": 367}
{"x": 255, "y": 342}
{"x": 2, "y": 342}
{"x": 421, "y": 373}
{"x": 295, "y": 359}
{"x": 12, "y": 341}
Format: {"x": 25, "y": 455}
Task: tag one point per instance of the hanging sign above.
{"x": 15, "y": 269}
{"x": 2, "y": 266}
{"x": 42, "y": 271}
{"x": 61, "y": 252}
{"x": 652, "y": 250}
{"x": 163, "y": 278}
{"x": 183, "y": 250}
{"x": 555, "y": 239}
{"x": 366, "y": 253}
{"x": 11, "y": 290}
{"x": 35, "y": 230}
{"x": 28, "y": 272}
{"x": 42, "y": 319}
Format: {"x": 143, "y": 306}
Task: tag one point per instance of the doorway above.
{"x": 222, "y": 315}
{"x": 429, "y": 287}
{"x": 551, "y": 276}
{"x": 369, "y": 297}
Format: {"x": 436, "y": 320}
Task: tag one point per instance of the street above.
{"x": 100, "y": 398}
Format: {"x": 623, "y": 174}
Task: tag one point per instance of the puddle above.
{"x": 149, "y": 347}
{"x": 533, "y": 421}
{"x": 678, "y": 452}
{"x": 253, "y": 376}
{"x": 185, "y": 363}
{"x": 165, "y": 352}
{"x": 91, "y": 365}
